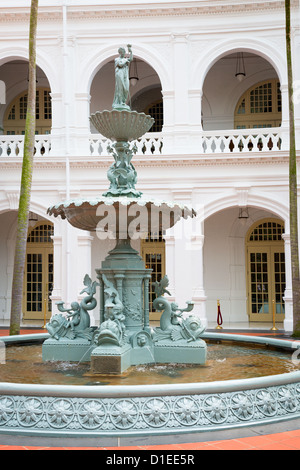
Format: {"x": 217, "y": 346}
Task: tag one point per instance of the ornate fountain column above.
{"x": 125, "y": 337}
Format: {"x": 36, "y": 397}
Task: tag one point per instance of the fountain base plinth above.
{"x": 183, "y": 352}
{"x": 108, "y": 359}
{"x": 64, "y": 349}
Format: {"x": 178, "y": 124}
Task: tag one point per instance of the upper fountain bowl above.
{"x": 122, "y": 126}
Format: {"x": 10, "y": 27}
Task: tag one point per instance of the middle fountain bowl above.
{"x": 122, "y": 126}
{"x": 88, "y": 214}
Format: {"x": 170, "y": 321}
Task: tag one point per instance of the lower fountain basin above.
{"x": 170, "y": 406}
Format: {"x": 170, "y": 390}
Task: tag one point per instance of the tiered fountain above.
{"x": 124, "y": 337}
{"x": 39, "y": 396}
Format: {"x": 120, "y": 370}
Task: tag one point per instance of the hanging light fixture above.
{"x": 243, "y": 213}
{"x": 240, "y": 67}
{"x": 32, "y": 220}
{"x": 133, "y": 78}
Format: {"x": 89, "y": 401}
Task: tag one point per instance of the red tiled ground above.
{"x": 5, "y": 332}
{"x": 281, "y": 441}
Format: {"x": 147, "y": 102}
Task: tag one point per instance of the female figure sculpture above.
{"x": 122, "y": 64}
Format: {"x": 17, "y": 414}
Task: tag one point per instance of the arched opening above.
{"x": 145, "y": 92}
{"x": 14, "y": 74}
{"x": 229, "y": 81}
{"x": 238, "y": 272}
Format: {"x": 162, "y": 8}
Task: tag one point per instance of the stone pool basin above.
{"x": 139, "y": 410}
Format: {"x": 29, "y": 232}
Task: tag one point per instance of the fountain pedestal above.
{"x": 124, "y": 310}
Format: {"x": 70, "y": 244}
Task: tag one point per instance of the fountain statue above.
{"x": 124, "y": 337}
{"x": 122, "y": 65}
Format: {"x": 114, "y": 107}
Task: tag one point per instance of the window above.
{"x": 261, "y": 99}
{"x": 15, "y": 116}
{"x": 12, "y": 114}
{"x": 47, "y": 105}
{"x": 156, "y": 110}
{"x": 41, "y": 234}
{"x": 260, "y": 107}
{"x": 267, "y": 231}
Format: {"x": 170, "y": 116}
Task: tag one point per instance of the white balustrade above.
{"x": 242, "y": 140}
{"x": 13, "y": 146}
{"x": 213, "y": 142}
{"x": 149, "y": 144}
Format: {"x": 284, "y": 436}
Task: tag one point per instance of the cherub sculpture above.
{"x": 76, "y": 324}
{"x": 172, "y": 324}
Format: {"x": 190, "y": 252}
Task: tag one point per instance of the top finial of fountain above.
{"x": 122, "y": 64}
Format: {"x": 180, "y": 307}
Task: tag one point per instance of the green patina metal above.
{"x": 124, "y": 337}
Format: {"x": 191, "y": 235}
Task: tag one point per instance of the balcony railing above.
{"x": 149, "y": 144}
{"x": 242, "y": 140}
{"x": 153, "y": 144}
{"x": 13, "y": 146}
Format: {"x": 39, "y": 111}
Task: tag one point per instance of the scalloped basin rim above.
{"x": 57, "y": 209}
{"x": 122, "y": 125}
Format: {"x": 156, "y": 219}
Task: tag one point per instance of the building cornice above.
{"x": 162, "y": 9}
{"x": 167, "y": 161}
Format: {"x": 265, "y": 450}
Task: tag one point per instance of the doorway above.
{"x": 154, "y": 255}
{"x": 38, "y": 280}
{"x": 266, "y": 280}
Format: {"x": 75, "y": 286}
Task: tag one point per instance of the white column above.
{"x": 170, "y": 262}
{"x": 195, "y": 121}
{"x": 199, "y": 297}
{"x": 181, "y": 85}
{"x": 57, "y": 274}
{"x": 285, "y": 117}
{"x": 288, "y": 296}
{"x": 10, "y": 244}
{"x": 183, "y": 282}
{"x": 82, "y": 128}
{"x": 57, "y": 131}
{"x": 85, "y": 265}
{"x": 168, "y": 128}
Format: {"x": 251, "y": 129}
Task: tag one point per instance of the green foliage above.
{"x": 26, "y": 181}
{"x": 293, "y": 181}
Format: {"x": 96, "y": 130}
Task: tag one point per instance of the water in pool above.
{"x": 225, "y": 361}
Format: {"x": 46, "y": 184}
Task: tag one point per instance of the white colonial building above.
{"x": 214, "y": 77}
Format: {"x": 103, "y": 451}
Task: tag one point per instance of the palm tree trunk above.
{"x": 26, "y": 181}
{"x": 293, "y": 181}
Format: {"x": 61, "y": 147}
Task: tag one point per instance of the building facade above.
{"x": 214, "y": 77}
